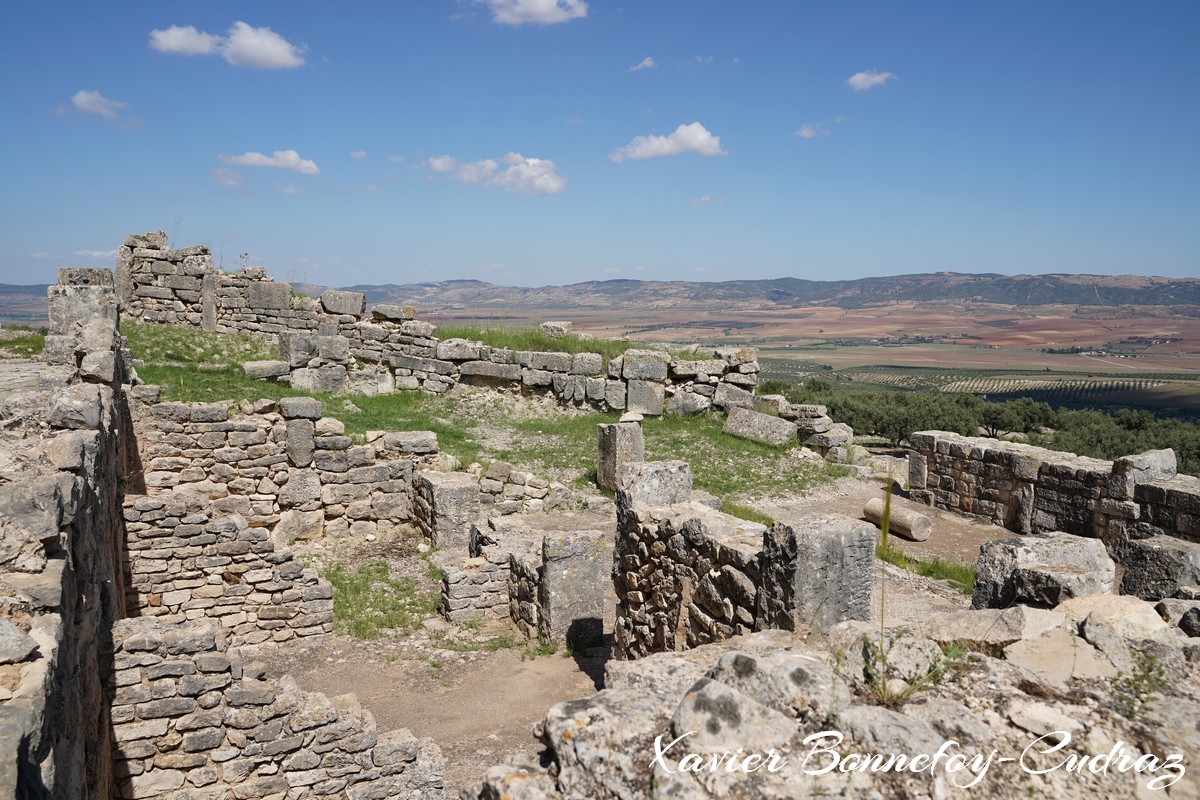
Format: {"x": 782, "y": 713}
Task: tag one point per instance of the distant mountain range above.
{"x": 1018, "y": 290}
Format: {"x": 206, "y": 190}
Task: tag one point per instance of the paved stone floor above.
{"x": 16, "y": 376}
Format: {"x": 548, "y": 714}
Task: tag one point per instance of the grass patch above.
{"x": 26, "y": 344}
{"x": 179, "y": 345}
{"x": 535, "y": 340}
{"x": 543, "y": 649}
{"x": 960, "y": 576}
{"x": 747, "y": 513}
{"x": 367, "y": 601}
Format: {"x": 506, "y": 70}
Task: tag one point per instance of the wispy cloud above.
{"x": 96, "y": 253}
{"x": 358, "y": 155}
{"x": 92, "y": 102}
{"x": 811, "y": 130}
{"x": 574, "y": 119}
{"x": 707, "y": 199}
{"x": 693, "y": 138}
{"x": 242, "y": 46}
{"x": 645, "y": 63}
{"x": 280, "y": 159}
{"x": 39, "y": 254}
{"x": 542, "y": 12}
{"x": 521, "y": 175}
{"x": 869, "y": 79}
{"x": 397, "y": 159}
{"x": 227, "y": 177}
{"x": 698, "y": 59}
{"x": 291, "y": 191}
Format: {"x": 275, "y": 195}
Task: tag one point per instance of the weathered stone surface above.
{"x": 688, "y": 403}
{"x": 645, "y": 365}
{"x": 556, "y": 329}
{"x": 417, "y": 442}
{"x": 902, "y": 521}
{"x": 299, "y": 407}
{"x": 15, "y": 644}
{"x": 654, "y": 483}
{"x": 300, "y": 435}
{"x": 265, "y": 369}
{"x": 446, "y": 503}
{"x": 644, "y": 397}
{"x": 393, "y": 312}
{"x": 335, "y": 301}
{"x": 1157, "y": 567}
{"x": 269, "y": 295}
{"x": 1041, "y": 570}
{"x": 488, "y": 371}
{"x": 296, "y": 525}
{"x": 817, "y": 570}
{"x": 329, "y": 379}
{"x": 1153, "y": 465}
{"x": 617, "y": 444}
{"x": 839, "y": 435}
{"x": 747, "y": 424}
{"x": 728, "y": 396}
{"x": 571, "y": 596}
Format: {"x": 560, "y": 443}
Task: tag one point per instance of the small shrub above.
{"x": 1132, "y": 690}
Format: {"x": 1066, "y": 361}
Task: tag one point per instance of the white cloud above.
{"x": 186, "y": 41}
{"x": 645, "y": 63}
{"x": 243, "y": 45}
{"x": 529, "y": 176}
{"x": 39, "y": 254}
{"x": 280, "y": 159}
{"x": 95, "y": 103}
{"x": 227, "y": 177}
{"x": 372, "y": 189}
{"x": 397, "y": 159}
{"x": 292, "y": 191}
{"x": 702, "y": 201}
{"x": 544, "y": 12}
{"x": 96, "y": 253}
{"x": 521, "y": 175}
{"x": 358, "y": 155}
{"x": 869, "y": 79}
{"x": 811, "y": 130}
{"x": 694, "y": 138}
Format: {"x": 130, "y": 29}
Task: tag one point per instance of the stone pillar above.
{"x": 818, "y": 570}
{"x": 444, "y": 505}
{"x": 616, "y": 445}
{"x": 208, "y": 303}
{"x": 575, "y": 570}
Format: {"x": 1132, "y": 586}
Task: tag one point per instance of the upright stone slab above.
{"x": 335, "y": 301}
{"x": 576, "y": 569}
{"x": 445, "y": 505}
{"x": 654, "y": 483}
{"x": 818, "y": 570}
{"x": 269, "y": 295}
{"x": 617, "y": 444}
{"x": 645, "y": 397}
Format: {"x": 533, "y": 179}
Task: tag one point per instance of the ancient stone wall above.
{"x": 1147, "y": 515}
{"x": 193, "y": 719}
{"x": 63, "y": 458}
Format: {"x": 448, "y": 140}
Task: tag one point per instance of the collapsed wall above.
{"x": 331, "y": 344}
{"x": 1147, "y": 515}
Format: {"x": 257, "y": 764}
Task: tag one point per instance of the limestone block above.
{"x": 269, "y": 295}
{"x": 300, "y": 408}
{"x": 447, "y": 504}
{"x": 590, "y": 364}
{"x": 810, "y": 425}
{"x": 576, "y": 569}
{"x": 300, "y": 435}
{"x": 395, "y": 313}
{"x": 617, "y": 445}
{"x": 1127, "y": 472}
{"x": 747, "y": 424}
{"x": 1157, "y": 567}
{"x": 296, "y": 525}
{"x": 688, "y": 403}
{"x": 654, "y": 483}
{"x": 681, "y": 368}
{"x": 303, "y": 486}
{"x": 329, "y": 379}
{"x": 614, "y": 394}
{"x": 416, "y": 442}
{"x": 839, "y": 435}
{"x": 555, "y": 329}
{"x": 335, "y": 301}
{"x": 1041, "y": 570}
{"x": 297, "y": 349}
{"x": 265, "y": 369}
{"x": 728, "y": 396}
{"x": 645, "y": 397}
{"x": 645, "y": 365}
{"x": 551, "y": 362}
{"x": 334, "y": 348}
{"x": 818, "y": 570}
{"x": 488, "y": 372}
{"x": 459, "y": 350}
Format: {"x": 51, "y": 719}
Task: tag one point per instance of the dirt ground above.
{"x": 442, "y": 681}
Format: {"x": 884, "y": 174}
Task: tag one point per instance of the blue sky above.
{"x": 518, "y": 141}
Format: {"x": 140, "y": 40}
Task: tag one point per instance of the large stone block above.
{"x": 300, "y": 407}
{"x": 269, "y": 295}
{"x": 297, "y": 349}
{"x": 645, "y": 365}
{"x": 576, "y": 568}
{"x": 818, "y": 570}
{"x": 1127, "y": 472}
{"x": 330, "y": 379}
{"x": 747, "y": 424}
{"x": 617, "y": 444}
{"x": 645, "y": 397}
{"x": 1041, "y": 570}
{"x": 300, "y": 442}
{"x": 728, "y": 396}
{"x": 447, "y": 503}
{"x": 1157, "y": 567}
{"x": 654, "y": 483}
{"x": 488, "y": 372}
{"x": 688, "y": 403}
{"x": 839, "y": 435}
{"x": 335, "y": 301}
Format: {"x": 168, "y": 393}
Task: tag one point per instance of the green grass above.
{"x": 367, "y": 601}
{"x": 960, "y": 576}
{"x": 747, "y": 513}
{"x": 179, "y": 345}
{"x": 28, "y": 345}
{"x": 537, "y": 651}
{"x": 537, "y": 341}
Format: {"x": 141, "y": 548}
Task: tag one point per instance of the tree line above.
{"x": 893, "y": 415}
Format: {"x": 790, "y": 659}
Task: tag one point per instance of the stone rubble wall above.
{"x": 332, "y": 344}
{"x": 63, "y": 457}
{"x": 192, "y": 720}
{"x": 1147, "y": 515}
{"x": 687, "y": 575}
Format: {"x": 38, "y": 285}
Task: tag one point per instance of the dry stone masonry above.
{"x": 1146, "y": 514}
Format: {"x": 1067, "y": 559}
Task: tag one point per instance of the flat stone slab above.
{"x": 266, "y": 369}
{"x": 15, "y": 644}
{"x": 746, "y": 424}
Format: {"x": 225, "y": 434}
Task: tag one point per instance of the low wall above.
{"x": 192, "y": 719}
{"x": 1147, "y": 515}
